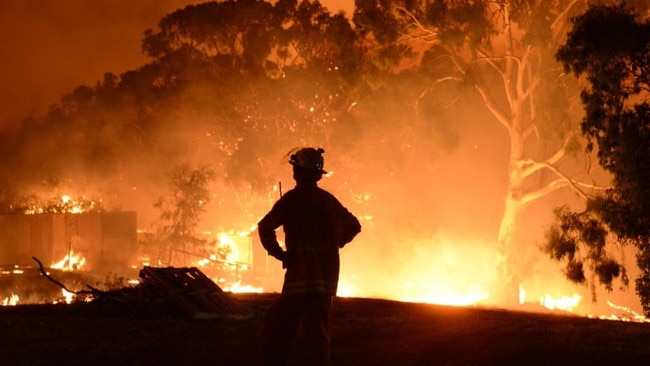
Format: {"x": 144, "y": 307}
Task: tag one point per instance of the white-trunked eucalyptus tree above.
{"x": 501, "y": 54}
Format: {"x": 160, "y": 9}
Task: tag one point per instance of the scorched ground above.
{"x": 366, "y": 332}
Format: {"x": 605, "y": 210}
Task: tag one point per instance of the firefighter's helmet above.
{"x": 308, "y": 158}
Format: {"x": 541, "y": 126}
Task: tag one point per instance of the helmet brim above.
{"x": 321, "y": 171}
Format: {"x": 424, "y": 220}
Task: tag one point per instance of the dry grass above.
{"x": 366, "y": 332}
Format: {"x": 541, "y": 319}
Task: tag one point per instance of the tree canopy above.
{"x": 609, "y": 46}
{"x": 234, "y": 80}
{"x": 232, "y": 85}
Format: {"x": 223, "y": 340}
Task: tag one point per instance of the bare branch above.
{"x": 534, "y": 166}
{"x": 447, "y": 78}
{"x": 562, "y": 181}
{"x": 504, "y": 77}
{"x": 547, "y": 189}
{"x": 533, "y": 82}
{"x": 521, "y": 70}
{"x": 531, "y": 129}
{"x": 423, "y": 33}
{"x": 563, "y": 14}
{"x": 501, "y": 117}
{"x": 56, "y": 282}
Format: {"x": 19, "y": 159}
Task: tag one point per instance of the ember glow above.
{"x": 230, "y": 262}
{"x": 71, "y": 262}
{"x": 237, "y": 287}
{"x": 15, "y": 270}
{"x": 564, "y": 303}
{"x": 67, "y": 296}
{"x": 624, "y": 314}
{"x": 429, "y": 226}
{"x": 11, "y": 300}
{"x": 427, "y": 273}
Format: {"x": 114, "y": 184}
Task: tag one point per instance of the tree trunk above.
{"x": 507, "y": 279}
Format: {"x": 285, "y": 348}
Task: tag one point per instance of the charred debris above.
{"x": 168, "y": 292}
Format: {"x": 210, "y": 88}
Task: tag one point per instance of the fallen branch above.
{"x": 93, "y": 291}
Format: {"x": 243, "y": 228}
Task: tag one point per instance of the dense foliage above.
{"x": 610, "y": 47}
{"x": 228, "y": 82}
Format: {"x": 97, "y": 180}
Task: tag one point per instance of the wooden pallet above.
{"x": 194, "y": 292}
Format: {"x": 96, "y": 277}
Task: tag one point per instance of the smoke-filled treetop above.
{"x": 234, "y": 80}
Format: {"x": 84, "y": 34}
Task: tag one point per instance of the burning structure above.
{"x": 106, "y": 239}
{"x": 82, "y": 247}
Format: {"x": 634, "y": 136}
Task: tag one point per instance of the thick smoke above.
{"x": 51, "y": 47}
{"x": 430, "y": 211}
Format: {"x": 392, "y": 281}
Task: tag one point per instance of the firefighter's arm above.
{"x": 266, "y": 229}
{"x": 350, "y": 228}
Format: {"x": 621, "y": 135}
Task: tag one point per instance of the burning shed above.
{"x": 105, "y": 239}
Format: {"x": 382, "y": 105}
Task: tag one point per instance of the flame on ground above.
{"x": 567, "y": 303}
{"x": 438, "y": 275}
{"x": 436, "y": 271}
{"x": 439, "y": 271}
{"x": 67, "y": 296}
{"x": 237, "y": 288}
{"x": 71, "y": 262}
{"x": 626, "y": 314}
{"x": 11, "y": 300}
{"x": 433, "y": 270}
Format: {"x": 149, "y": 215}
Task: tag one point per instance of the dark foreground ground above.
{"x": 366, "y": 332}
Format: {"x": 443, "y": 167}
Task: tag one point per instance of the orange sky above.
{"x": 50, "y": 47}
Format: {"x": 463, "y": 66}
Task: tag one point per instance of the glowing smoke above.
{"x": 430, "y": 218}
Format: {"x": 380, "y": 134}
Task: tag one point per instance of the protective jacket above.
{"x": 315, "y": 225}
